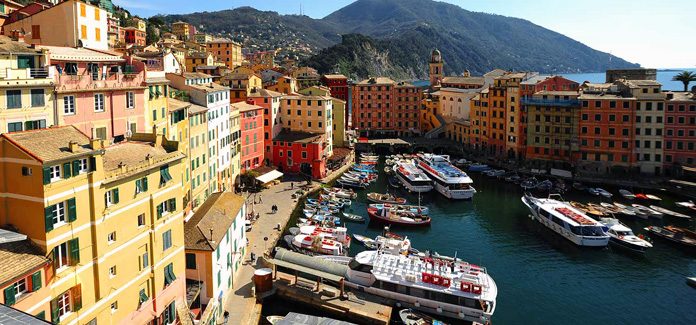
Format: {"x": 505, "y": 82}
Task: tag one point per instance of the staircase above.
{"x": 435, "y": 133}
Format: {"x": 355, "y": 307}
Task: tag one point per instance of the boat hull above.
{"x": 455, "y": 194}
{"x": 380, "y": 219}
{"x": 414, "y": 188}
{"x": 627, "y": 246}
{"x": 588, "y": 241}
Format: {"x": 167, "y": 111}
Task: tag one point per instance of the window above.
{"x": 112, "y": 271}
{"x": 111, "y": 237}
{"x": 130, "y": 99}
{"x": 169, "y": 276}
{"x": 59, "y": 216}
{"x": 69, "y": 105}
{"x": 100, "y": 133}
{"x": 111, "y": 197}
{"x": 37, "y": 98}
{"x": 190, "y": 261}
{"x": 83, "y": 31}
{"x": 166, "y": 207}
{"x": 98, "y": 102}
{"x": 14, "y": 98}
{"x": 114, "y": 306}
{"x": 164, "y": 175}
{"x": 166, "y": 240}
{"x": 63, "y": 306}
{"x": 142, "y": 296}
{"x": 14, "y": 127}
{"x": 141, "y": 220}
{"x": 141, "y": 185}
{"x": 82, "y": 166}
{"x": 97, "y": 34}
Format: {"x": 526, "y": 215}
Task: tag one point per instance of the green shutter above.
{"x": 77, "y": 297}
{"x": 46, "y": 175}
{"x": 67, "y": 169}
{"x": 48, "y": 213}
{"x": 144, "y": 184}
{"x": 54, "y": 311}
{"x": 138, "y": 187}
{"x": 74, "y": 248}
{"x": 76, "y": 167}
{"x": 72, "y": 210}
{"x": 115, "y": 194}
{"x": 167, "y": 279}
{"x": 172, "y": 205}
{"x": 36, "y": 281}
{"x": 143, "y": 296}
{"x": 10, "y": 295}
{"x": 159, "y": 211}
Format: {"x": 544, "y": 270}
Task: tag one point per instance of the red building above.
{"x": 382, "y": 106}
{"x": 680, "y": 131}
{"x": 251, "y": 125}
{"x": 270, "y": 101}
{"x": 300, "y": 152}
{"x": 338, "y": 84}
{"x": 132, "y": 35}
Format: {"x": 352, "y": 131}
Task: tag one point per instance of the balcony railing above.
{"x": 27, "y": 73}
{"x": 551, "y": 102}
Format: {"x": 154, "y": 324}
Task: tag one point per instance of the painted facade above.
{"x": 272, "y": 125}
{"x": 252, "y": 134}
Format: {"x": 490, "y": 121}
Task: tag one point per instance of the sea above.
{"x": 541, "y": 277}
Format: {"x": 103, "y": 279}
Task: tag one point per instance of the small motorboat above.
{"x": 587, "y": 209}
{"x": 512, "y": 178}
{"x": 637, "y": 212}
{"x": 648, "y": 211}
{"x": 689, "y": 205}
{"x": 675, "y": 235}
{"x": 625, "y": 210}
{"x": 592, "y": 191}
{"x": 529, "y": 183}
{"x": 544, "y": 185}
{"x": 398, "y": 217}
{"x": 597, "y": 207}
{"x": 478, "y": 167}
{"x": 579, "y": 186}
{"x": 410, "y": 317}
{"x": 611, "y": 208}
{"x": 691, "y": 281}
{"x": 318, "y": 245}
{"x": 401, "y": 207}
{"x": 345, "y": 193}
{"x": 388, "y": 170}
{"x": 274, "y": 319}
{"x": 353, "y": 217}
{"x": 294, "y": 230}
{"x": 385, "y": 198}
{"x": 604, "y": 192}
{"x": 669, "y": 212}
{"x": 622, "y": 236}
{"x": 627, "y": 194}
{"x": 641, "y": 196}
{"x": 653, "y": 197}
{"x": 352, "y": 184}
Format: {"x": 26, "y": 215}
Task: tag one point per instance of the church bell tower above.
{"x": 436, "y": 66}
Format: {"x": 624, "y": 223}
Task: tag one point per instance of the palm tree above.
{"x": 685, "y": 77}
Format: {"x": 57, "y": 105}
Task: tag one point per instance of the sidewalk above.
{"x": 240, "y": 301}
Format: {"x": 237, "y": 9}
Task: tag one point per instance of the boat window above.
{"x": 418, "y": 293}
{"x": 402, "y": 289}
{"x": 575, "y": 230}
{"x": 470, "y": 303}
{"x": 388, "y": 286}
{"x": 592, "y": 231}
{"x": 558, "y": 221}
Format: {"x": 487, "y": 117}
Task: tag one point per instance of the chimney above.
{"x": 211, "y": 234}
{"x": 158, "y": 140}
{"x": 96, "y": 144}
{"x": 73, "y": 146}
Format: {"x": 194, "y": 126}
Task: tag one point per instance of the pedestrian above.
{"x": 260, "y": 201}
{"x": 253, "y": 257}
{"x": 226, "y": 316}
{"x": 292, "y": 185}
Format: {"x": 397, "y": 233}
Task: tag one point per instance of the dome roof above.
{"x": 436, "y": 57}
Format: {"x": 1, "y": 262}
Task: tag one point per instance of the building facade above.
{"x": 680, "y": 131}
{"x": 252, "y": 134}
{"x": 272, "y": 125}
{"x": 226, "y": 50}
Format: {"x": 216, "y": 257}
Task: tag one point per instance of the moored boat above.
{"x": 353, "y": 217}
{"x": 604, "y": 192}
{"x": 476, "y": 167}
{"x": 412, "y": 178}
{"x": 345, "y": 193}
{"x": 587, "y": 209}
{"x": 566, "y": 220}
{"x": 681, "y": 236}
{"x": 627, "y": 194}
{"x": 450, "y": 181}
{"x": 411, "y": 317}
{"x": 669, "y": 212}
{"x": 647, "y": 211}
{"x": 394, "y": 216}
{"x": 315, "y": 244}
{"x": 653, "y": 197}
{"x": 385, "y": 198}
{"x": 623, "y": 236}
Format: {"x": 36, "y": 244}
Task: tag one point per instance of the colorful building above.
{"x": 198, "y": 59}
{"x": 306, "y": 77}
{"x": 104, "y": 269}
{"x": 134, "y": 36}
{"x": 100, "y": 94}
{"x": 215, "y": 249}
{"x": 226, "y": 50}
{"x": 301, "y": 152}
{"x": 382, "y": 106}
{"x": 198, "y": 154}
{"x": 607, "y": 129}
{"x": 338, "y": 133}
{"x": 26, "y": 98}
{"x": 6, "y": 8}
{"x": 436, "y": 66}
{"x": 252, "y": 136}
{"x": 241, "y": 85}
{"x": 552, "y": 128}
{"x": 69, "y": 23}
{"x": 178, "y": 130}
{"x": 680, "y": 131}
{"x": 183, "y": 31}
{"x": 284, "y": 84}
{"x": 270, "y": 101}
{"x": 312, "y": 114}
{"x": 203, "y": 38}
{"x": 338, "y": 84}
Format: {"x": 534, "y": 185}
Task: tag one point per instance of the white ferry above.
{"x": 438, "y": 285}
{"x": 412, "y": 178}
{"x": 566, "y": 220}
{"x": 450, "y": 181}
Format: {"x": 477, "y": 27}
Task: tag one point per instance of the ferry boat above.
{"x": 442, "y": 286}
{"x": 412, "y": 178}
{"x": 450, "y": 181}
{"x": 566, "y": 220}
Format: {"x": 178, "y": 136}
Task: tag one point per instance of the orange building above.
{"x": 680, "y": 131}
{"x": 133, "y": 35}
{"x": 382, "y": 106}
{"x": 226, "y": 50}
{"x": 241, "y": 85}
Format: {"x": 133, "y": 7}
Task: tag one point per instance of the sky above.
{"x": 653, "y": 33}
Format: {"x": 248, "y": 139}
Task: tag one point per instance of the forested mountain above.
{"x": 401, "y": 35}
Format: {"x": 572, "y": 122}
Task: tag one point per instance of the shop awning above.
{"x": 267, "y": 177}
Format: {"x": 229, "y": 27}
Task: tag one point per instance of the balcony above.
{"x": 125, "y": 77}
{"x": 27, "y": 73}
{"x": 551, "y": 102}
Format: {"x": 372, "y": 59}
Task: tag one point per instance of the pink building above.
{"x": 100, "y": 93}
{"x": 251, "y": 125}
{"x": 270, "y": 101}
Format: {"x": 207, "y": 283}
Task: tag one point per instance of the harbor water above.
{"x": 541, "y": 277}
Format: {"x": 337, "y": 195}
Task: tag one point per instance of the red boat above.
{"x": 398, "y": 217}
{"x": 641, "y": 196}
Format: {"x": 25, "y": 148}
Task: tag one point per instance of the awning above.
{"x": 267, "y": 177}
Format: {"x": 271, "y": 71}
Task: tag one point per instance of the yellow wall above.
{"x": 198, "y": 143}
{"x": 156, "y": 106}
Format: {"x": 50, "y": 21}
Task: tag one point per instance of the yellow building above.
{"x": 241, "y": 85}
{"x": 226, "y": 50}
{"x": 198, "y": 150}
{"x": 198, "y": 59}
{"x": 285, "y": 84}
{"x": 157, "y": 106}
{"x": 203, "y": 38}
{"x": 235, "y": 144}
{"x": 309, "y": 114}
{"x": 110, "y": 219}
{"x": 182, "y": 30}
{"x": 26, "y": 87}
{"x": 339, "y": 111}
{"x": 178, "y": 130}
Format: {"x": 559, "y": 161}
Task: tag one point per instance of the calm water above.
{"x": 543, "y": 279}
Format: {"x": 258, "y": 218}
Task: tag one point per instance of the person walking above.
{"x": 260, "y": 201}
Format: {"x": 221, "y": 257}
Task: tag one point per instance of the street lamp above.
{"x": 265, "y": 239}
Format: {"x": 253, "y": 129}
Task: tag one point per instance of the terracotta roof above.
{"x": 131, "y": 154}
{"x": 639, "y": 83}
{"x": 196, "y": 109}
{"x": 175, "y": 104}
{"x": 463, "y": 80}
{"x": 296, "y": 136}
{"x": 244, "y": 106}
{"x": 7, "y": 45}
{"x": 264, "y": 93}
{"x": 52, "y": 143}
{"x": 377, "y": 81}
{"x": 217, "y": 213}
{"x": 18, "y": 259}
{"x": 209, "y": 87}
{"x": 682, "y": 96}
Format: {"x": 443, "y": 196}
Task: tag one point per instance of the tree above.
{"x": 685, "y": 77}
{"x": 152, "y": 35}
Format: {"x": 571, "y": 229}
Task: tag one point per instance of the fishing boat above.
{"x": 629, "y": 211}
{"x": 410, "y": 317}
{"x": 597, "y": 207}
{"x": 385, "y": 198}
{"x": 653, "y": 197}
{"x": 669, "y": 212}
{"x": 393, "y": 182}
{"x": 566, "y": 220}
{"x": 395, "y": 216}
{"x": 529, "y": 183}
{"x": 579, "y": 186}
{"x": 353, "y": 217}
{"x": 691, "y": 281}
{"x": 447, "y": 287}
{"x": 627, "y": 194}
{"x": 329, "y": 198}
{"x": 514, "y": 178}
{"x": 317, "y": 245}
{"x": 450, "y": 181}
{"x": 412, "y": 178}
{"x": 647, "y": 211}
{"x": 345, "y": 193}
{"x": 641, "y": 196}
{"x": 604, "y": 192}
{"x": 366, "y": 241}
{"x": 544, "y": 185}
{"x": 319, "y": 203}
{"x": 676, "y": 235}
{"x": 401, "y": 207}
{"x": 623, "y": 236}
{"x": 611, "y": 208}
{"x": 476, "y": 167}
{"x": 587, "y": 209}
{"x": 592, "y": 191}
{"x": 689, "y": 205}
{"x": 351, "y": 184}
